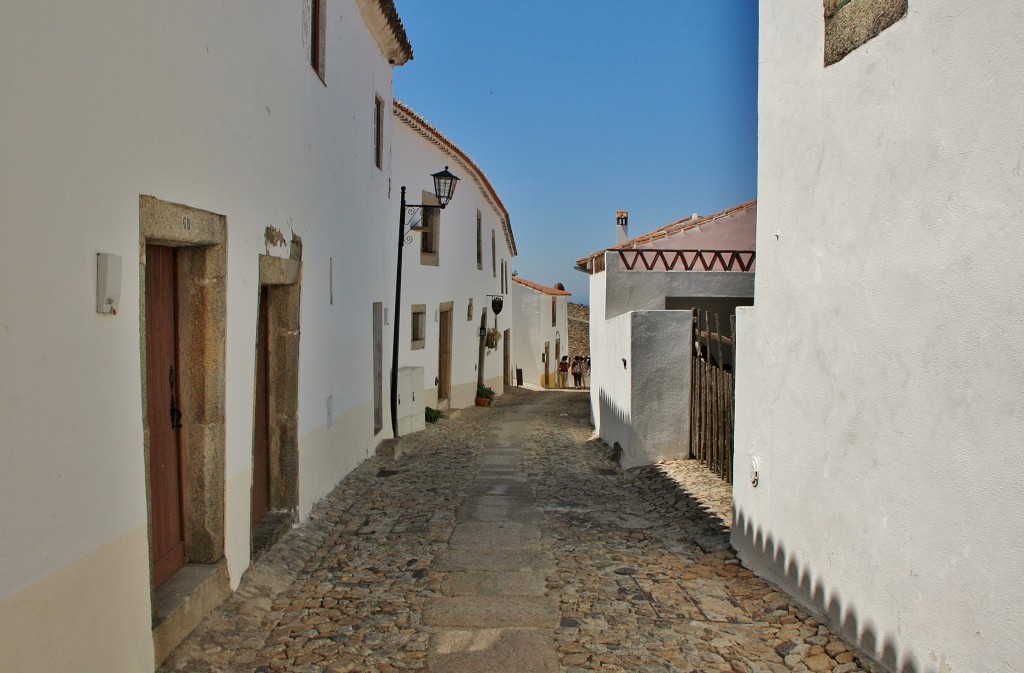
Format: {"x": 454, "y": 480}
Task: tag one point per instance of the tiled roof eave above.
{"x": 413, "y": 120}
{"x": 583, "y": 263}
{"x": 544, "y": 289}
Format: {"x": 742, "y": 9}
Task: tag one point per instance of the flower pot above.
{"x": 483, "y": 402}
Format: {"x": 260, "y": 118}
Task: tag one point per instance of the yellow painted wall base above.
{"x": 93, "y": 615}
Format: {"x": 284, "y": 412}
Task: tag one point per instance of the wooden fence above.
{"x": 712, "y": 395}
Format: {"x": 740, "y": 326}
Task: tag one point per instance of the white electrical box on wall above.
{"x": 108, "y": 282}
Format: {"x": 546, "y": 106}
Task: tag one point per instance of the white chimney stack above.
{"x": 621, "y": 227}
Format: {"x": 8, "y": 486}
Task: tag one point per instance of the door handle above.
{"x": 175, "y": 411}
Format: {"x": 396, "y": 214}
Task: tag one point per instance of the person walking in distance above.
{"x": 563, "y": 371}
{"x": 577, "y": 372}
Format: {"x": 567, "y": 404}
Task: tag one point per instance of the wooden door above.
{"x": 547, "y": 365}
{"x": 507, "y": 359}
{"x": 444, "y": 360}
{"x": 261, "y": 422}
{"x": 163, "y": 417}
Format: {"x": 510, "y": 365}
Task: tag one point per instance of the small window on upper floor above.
{"x": 430, "y": 234}
{"x": 494, "y": 256}
{"x": 419, "y": 326}
{"x": 469, "y": 311}
{"x": 479, "y": 242}
{"x": 318, "y": 37}
{"x": 851, "y": 23}
{"x": 378, "y": 132}
{"x": 554, "y": 311}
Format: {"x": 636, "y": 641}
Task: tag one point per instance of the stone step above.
{"x": 495, "y": 535}
{"x": 493, "y": 583}
{"x": 505, "y": 487}
{"x": 493, "y": 651}
{"x": 492, "y": 612}
{"x": 497, "y": 508}
{"x": 506, "y": 560}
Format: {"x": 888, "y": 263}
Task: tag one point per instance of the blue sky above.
{"x": 578, "y": 108}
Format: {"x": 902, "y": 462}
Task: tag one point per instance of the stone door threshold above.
{"x": 184, "y": 600}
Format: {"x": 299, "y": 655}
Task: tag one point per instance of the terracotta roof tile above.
{"x": 414, "y": 121}
{"x": 387, "y": 28}
{"x": 541, "y": 288}
{"x": 668, "y": 230}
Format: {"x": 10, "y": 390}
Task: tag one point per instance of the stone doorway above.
{"x": 196, "y": 242}
{"x": 275, "y": 493}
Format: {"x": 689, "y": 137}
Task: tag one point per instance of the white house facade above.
{"x": 196, "y": 196}
{"x": 880, "y": 368}
{"x": 642, "y": 293}
{"x": 456, "y": 262}
{"x": 540, "y": 323}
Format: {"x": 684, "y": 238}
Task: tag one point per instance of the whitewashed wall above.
{"x": 597, "y": 288}
{"x": 644, "y": 389}
{"x": 532, "y": 328}
{"x": 213, "y": 105}
{"x": 647, "y": 290}
{"x": 880, "y": 367}
{"x": 455, "y": 278}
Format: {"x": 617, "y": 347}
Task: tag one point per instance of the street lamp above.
{"x": 444, "y": 188}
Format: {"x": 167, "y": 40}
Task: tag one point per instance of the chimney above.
{"x": 621, "y": 227}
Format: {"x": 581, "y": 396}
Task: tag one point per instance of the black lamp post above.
{"x": 444, "y": 188}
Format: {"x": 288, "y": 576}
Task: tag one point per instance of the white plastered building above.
{"x": 642, "y": 293}
{"x": 881, "y": 368}
{"x": 220, "y": 173}
{"x": 540, "y": 321}
{"x": 452, "y": 269}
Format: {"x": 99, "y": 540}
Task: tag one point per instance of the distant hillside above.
{"x": 579, "y": 329}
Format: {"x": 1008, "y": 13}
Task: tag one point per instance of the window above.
{"x": 494, "y": 255}
{"x": 419, "y": 326}
{"x": 479, "y": 242}
{"x": 378, "y": 132}
{"x": 317, "y": 37}
{"x": 851, "y": 23}
{"x": 469, "y": 311}
{"x": 430, "y": 236}
{"x": 554, "y": 311}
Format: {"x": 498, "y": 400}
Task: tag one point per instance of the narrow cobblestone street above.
{"x": 506, "y": 539}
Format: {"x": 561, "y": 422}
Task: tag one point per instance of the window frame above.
{"x": 849, "y": 24}
{"x": 418, "y": 328}
{"x": 318, "y": 38}
{"x": 479, "y": 241}
{"x": 430, "y": 221}
{"x": 378, "y": 132}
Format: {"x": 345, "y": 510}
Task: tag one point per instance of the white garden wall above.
{"x": 880, "y": 368}
{"x": 644, "y": 389}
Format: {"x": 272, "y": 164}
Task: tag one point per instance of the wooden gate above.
{"x": 712, "y": 394}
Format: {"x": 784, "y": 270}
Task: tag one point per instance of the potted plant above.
{"x": 484, "y": 396}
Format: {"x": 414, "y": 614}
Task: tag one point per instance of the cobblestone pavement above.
{"x": 640, "y": 567}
